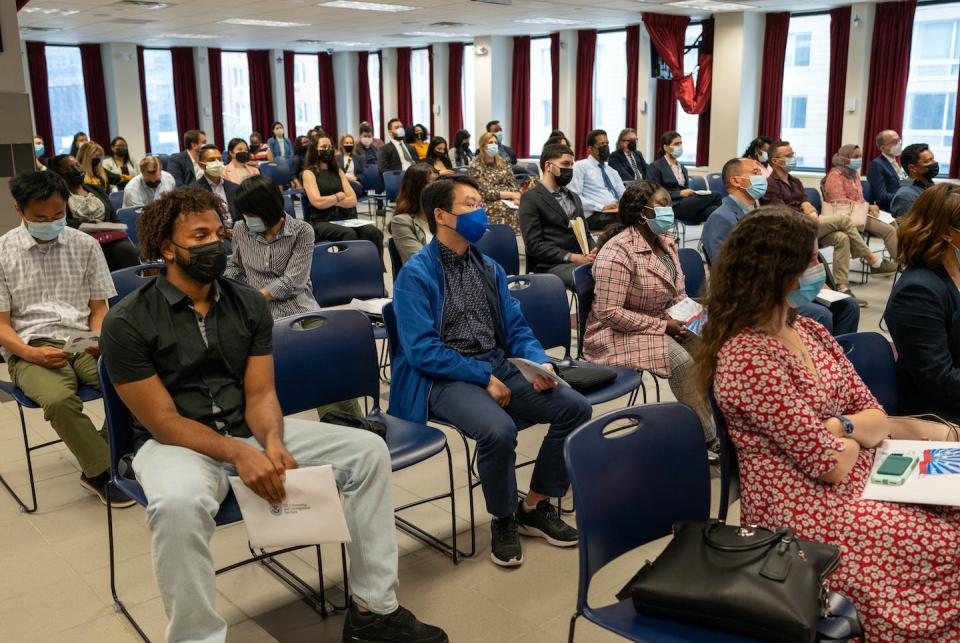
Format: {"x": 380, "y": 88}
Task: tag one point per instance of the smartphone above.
{"x": 895, "y": 469}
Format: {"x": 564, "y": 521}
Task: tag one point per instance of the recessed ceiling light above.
{"x": 249, "y": 22}
{"x": 366, "y": 6}
{"x": 50, "y": 11}
{"x": 438, "y": 34}
{"x": 348, "y": 43}
{"x": 710, "y": 5}
{"x": 185, "y": 36}
{"x": 549, "y": 21}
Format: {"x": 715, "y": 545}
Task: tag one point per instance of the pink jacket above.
{"x": 837, "y": 186}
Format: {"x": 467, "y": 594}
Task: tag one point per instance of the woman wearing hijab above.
{"x": 842, "y": 183}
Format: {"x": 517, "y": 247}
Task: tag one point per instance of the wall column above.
{"x": 201, "y": 69}
{"x": 345, "y": 81}
{"x": 122, "y": 83}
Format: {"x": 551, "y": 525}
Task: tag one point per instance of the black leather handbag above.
{"x": 584, "y": 379}
{"x": 752, "y": 581}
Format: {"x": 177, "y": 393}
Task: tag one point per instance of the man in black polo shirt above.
{"x": 190, "y": 355}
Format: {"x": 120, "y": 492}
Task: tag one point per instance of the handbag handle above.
{"x": 751, "y": 538}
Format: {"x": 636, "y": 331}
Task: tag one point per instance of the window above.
{"x": 161, "y": 107}
{"x": 688, "y": 124}
{"x": 237, "y": 122}
{"x": 541, "y": 94}
{"x": 931, "y": 88}
{"x": 306, "y": 91}
{"x": 373, "y": 78}
{"x": 420, "y": 87}
{"x": 803, "y": 119}
{"x": 68, "y": 103}
{"x": 610, "y": 83}
{"x": 469, "y": 95}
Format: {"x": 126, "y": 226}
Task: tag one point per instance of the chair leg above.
{"x": 573, "y": 627}
{"x": 27, "y": 450}
{"x": 117, "y": 603}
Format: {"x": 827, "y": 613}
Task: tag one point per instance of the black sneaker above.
{"x": 505, "y": 542}
{"x": 544, "y": 522}
{"x": 98, "y": 485}
{"x": 400, "y": 626}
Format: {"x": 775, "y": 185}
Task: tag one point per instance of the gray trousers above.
{"x": 837, "y": 230}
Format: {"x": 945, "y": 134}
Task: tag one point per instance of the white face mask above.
{"x": 366, "y": 141}
{"x": 214, "y": 168}
{"x": 896, "y": 149}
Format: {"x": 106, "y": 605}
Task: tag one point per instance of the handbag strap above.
{"x": 752, "y": 539}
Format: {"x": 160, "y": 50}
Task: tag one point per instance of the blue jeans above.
{"x": 840, "y": 318}
{"x": 471, "y": 409}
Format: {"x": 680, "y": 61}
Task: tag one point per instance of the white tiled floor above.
{"x": 54, "y": 574}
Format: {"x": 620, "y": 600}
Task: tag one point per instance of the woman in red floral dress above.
{"x": 781, "y": 381}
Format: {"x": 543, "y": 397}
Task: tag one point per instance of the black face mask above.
{"x": 95, "y": 163}
{"x": 348, "y": 149}
{"x": 255, "y": 147}
{"x": 932, "y": 171}
{"x": 153, "y": 185}
{"x": 466, "y": 145}
{"x": 207, "y": 261}
{"x": 325, "y": 155}
{"x": 565, "y": 176}
{"x": 242, "y": 157}
{"x": 74, "y": 177}
{"x": 632, "y": 146}
{"x": 603, "y": 152}
{"x": 421, "y": 136}
{"x": 121, "y": 151}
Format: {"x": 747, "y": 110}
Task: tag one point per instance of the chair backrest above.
{"x": 583, "y": 285}
{"x": 390, "y": 325}
{"x": 164, "y": 160}
{"x": 119, "y": 434}
{"x": 520, "y": 177}
{"x": 130, "y": 216}
{"x": 499, "y": 243}
{"x": 697, "y": 183}
{"x": 372, "y": 180}
{"x": 288, "y": 205}
{"x": 715, "y": 183}
{"x": 729, "y": 465}
{"x": 289, "y": 196}
{"x": 391, "y": 184}
{"x": 278, "y": 170}
{"x": 872, "y": 358}
{"x": 867, "y": 190}
{"x": 395, "y": 261}
{"x": 813, "y": 196}
{"x": 116, "y": 199}
{"x": 126, "y": 280}
{"x": 625, "y": 482}
{"x": 543, "y": 301}
{"x": 324, "y": 357}
{"x": 694, "y": 275}
{"x": 344, "y": 270}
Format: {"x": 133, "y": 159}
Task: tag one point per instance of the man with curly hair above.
{"x": 190, "y": 355}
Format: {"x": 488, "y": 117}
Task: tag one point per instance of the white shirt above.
{"x": 217, "y": 188}
{"x": 404, "y": 153}
{"x": 47, "y": 288}
{"x": 138, "y": 194}
{"x": 588, "y": 183}
{"x": 197, "y": 170}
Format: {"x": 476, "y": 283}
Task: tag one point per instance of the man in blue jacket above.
{"x": 457, "y": 325}
{"x": 885, "y": 173}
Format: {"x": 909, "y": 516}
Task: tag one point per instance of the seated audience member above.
{"x": 299, "y": 156}
{"x": 330, "y": 198}
{"x": 346, "y": 159}
{"x": 408, "y": 226}
{"x": 185, "y": 166}
{"x": 54, "y": 282}
{"x": 279, "y": 144}
{"x": 258, "y": 151}
{"x": 419, "y": 140}
{"x": 545, "y": 214}
{"x": 240, "y": 166}
{"x": 211, "y": 163}
{"x": 90, "y": 159}
{"x": 923, "y": 312}
{"x": 597, "y": 184}
{"x": 462, "y": 152}
{"x": 396, "y": 154}
{"x": 842, "y": 183}
{"x": 190, "y": 355}
{"x": 557, "y": 139}
{"x": 87, "y": 203}
{"x": 497, "y": 184}
{"x": 120, "y": 168}
{"x": 457, "y": 325}
{"x": 745, "y": 183}
{"x": 79, "y": 140}
{"x": 667, "y": 171}
{"x": 638, "y": 278}
{"x": 921, "y": 168}
{"x": 626, "y": 160}
{"x": 148, "y": 185}
{"x": 366, "y": 129}
{"x": 367, "y": 146}
{"x": 836, "y": 230}
{"x": 38, "y": 152}
{"x": 805, "y": 428}
{"x": 759, "y": 151}
{"x": 438, "y": 157}
{"x": 885, "y": 173}
{"x": 505, "y": 151}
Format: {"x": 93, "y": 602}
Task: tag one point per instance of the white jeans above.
{"x": 185, "y": 489}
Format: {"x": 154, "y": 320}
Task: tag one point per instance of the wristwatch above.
{"x": 847, "y": 425}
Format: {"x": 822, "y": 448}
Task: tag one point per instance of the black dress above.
{"x": 321, "y": 220}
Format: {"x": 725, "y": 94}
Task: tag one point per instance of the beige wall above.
{"x": 16, "y": 127}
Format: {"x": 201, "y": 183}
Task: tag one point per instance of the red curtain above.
{"x": 664, "y": 113}
{"x": 289, "y": 60}
{"x": 454, "y": 93}
{"x": 705, "y": 83}
{"x": 328, "y": 96}
{"x": 889, "y": 68}
{"x": 261, "y": 91}
{"x": 20, "y": 5}
{"x": 633, "y": 74}
{"x": 771, "y": 78}
{"x": 184, "y": 89}
{"x": 836, "y": 92}
{"x": 363, "y": 88}
{"x": 430, "y": 76}
{"x": 37, "y": 62}
{"x": 143, "y": 101}
{"x": 380, "y": 90}
{"x": 520, "y": 99}
{"x": 216, "y": 94}
{"x": 555, "y": 78}
{"x": 583, "y": 119}
{"x": 404, "y": 98}
{"x": 98, "y": 121}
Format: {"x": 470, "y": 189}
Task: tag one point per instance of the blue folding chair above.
{"x": 697, "y": 182}
{"x": 391, "y": 184}
{"x": 694, "y": 274}
{"x": 873, "y": 359}
{"x": 813, "y": 196}
{"x": 126, "y": 280}
{"x": 715, "y": 183}
{"x": 396, "y": 263}
{"x": 130, "y": 216}
{"x": 84, "y": 392}
{"x": 291, "y": 199}
{"x": 520, "y": 177}
{"x": 164, "y": 160}
{"x": 116, "y": 200}
{"x": 278, "y": 170}
{"x": 499, "y": 243}
{"x": 867, "y": 190}
{"x": 372, "y": 180}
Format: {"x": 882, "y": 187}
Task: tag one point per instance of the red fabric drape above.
{"x": 836, "y": 93}
{"x": 583, "y": 119}
{"x": 216, "y": 95}
{"x": 889, "y": 68}
{"x": 430, "y": 76}
{"x": 633, "y": 74}
{"x": 20, "y": 5}
{"x": 705, "y": 84}
{"x": 380, "y": 91}
{"x": 404, "y": 97}
{"x": 664, "y": 112}
{"x": 328, "y": 96}
{"x": 184, "y": 89}
{"x": 363, "y": 88}
{"x": 555, "y": 78}
{"x": 37, "y": 62}
{"x": 289, "y": 61}
{"x": 261, "y": 91}
{"x": 771, "y": 78}
{"x": 143, "y": 101}
{"x": 520, "y": 99}
{"x": 454, "y": 90}
{"x": 98, "y": 122}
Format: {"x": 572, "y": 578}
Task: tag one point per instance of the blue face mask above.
{"x": 676, "y": 151}
{"x": 38, "y": 150}
{"x": 790, "y": 163}
{"x": 500, "y": 136}
{"x": 472, "y": 225}
{"x": 758, "y": 186}
{"x": 254, "y": 224}
{"x": 763, "y": 157}
{"x": 46, "y": 230}
{"x": 492, "y": 149}
{"x": 811, "y": 283}
{"x": 662, "y": 221}
{"x": 855, "y": 164}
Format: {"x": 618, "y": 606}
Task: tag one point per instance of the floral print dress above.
{"x": 493, "y": 179}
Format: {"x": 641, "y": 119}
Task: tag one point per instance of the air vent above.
{"x": 448, "y": 24}
{"x": 143, "y": 4}
{"x": 131, "y": 21}
{"x": 26, "y": 29}
{"x": 307, "y": 41}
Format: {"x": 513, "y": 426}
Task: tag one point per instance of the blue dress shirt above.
{"x": 595, "y": 192}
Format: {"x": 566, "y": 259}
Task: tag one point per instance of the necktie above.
{"x": 633, "y": 165}
{"x": 608, "y": 183}
{"x": 900, "y": 173}
{"x": 406, "y": 152}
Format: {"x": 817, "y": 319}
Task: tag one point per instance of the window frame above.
{"x": 805, "y": 14}
{"x": 53, "y": 146}
{"x": 696, "y": 44}
{"x": 595, "y": 125}
{"x": 223, "y": 122}
{"x": 413, "y": 101}
{"x": 153, "y": 130}
{"x": 319, "y": 120}
{"x": 531, "y": 108}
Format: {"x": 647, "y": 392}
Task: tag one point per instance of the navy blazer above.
{"x": 661, "y": 173}
{"x": 545, "y": 226}
{"x": 883, "y": 180}
{"x": 718, "y": 226}
{"x": 618, "y": 161}
{"x": 229, "y": 188}
{"x": 923, "y": 314}
{"x": 180, "y": 166}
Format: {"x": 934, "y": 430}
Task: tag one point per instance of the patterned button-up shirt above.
{"x": 467, "y": 319}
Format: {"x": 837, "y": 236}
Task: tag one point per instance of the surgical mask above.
{"x": 603, "y": 152}
{"x": 758, "y": 186}
{"x": 153, "y": 185}
{"x": 46, "y": 230}
{"x": 348, "y": 149}
{"x": 932, "y": 171}
{"x": 811, "y": 283}
{"x": 278, "y": 133}
{"x": 399, "y": 133}
{"x": 366, "y": 141}
{"x": 632, "y": 146}
{"x": 492, "y": 149}
{"x": 855, "y": 164}
{"x": 763, "y": 157}
{"x": 500, "y": 137}
{"x": 38, "y": 150}
{"x": 471, "y": 225}
{"x": 790, "y": 163}
{"x": 214, "y": 168}
{"x": 74, "y": 177}
{"x": 207, "y": 261}
{"x": 242, "y": 157}
{"x": 662, "y": 221}
{"x": 676, "y": 151}
{"x": 325, "y": 155}
{"x": 254, "y": 224}
{"x": 896, "y": 149}
{"x": 565, "y": 176}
